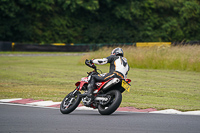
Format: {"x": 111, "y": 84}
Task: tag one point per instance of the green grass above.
{"x": 52, "y": 77}
{"x": 28, "y": 53}
{"x": 38, "y": 77}
{"x": 164, "y": 89}
{"x": 168, "y": 58}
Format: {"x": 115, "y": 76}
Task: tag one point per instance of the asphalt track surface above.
{"x": 25, "y": 119}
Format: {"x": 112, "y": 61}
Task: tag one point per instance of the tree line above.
{"x": 99, "y": 21}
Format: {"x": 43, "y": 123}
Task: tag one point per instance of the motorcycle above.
{"x": 107, "y": 95}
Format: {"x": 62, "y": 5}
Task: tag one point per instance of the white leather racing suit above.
{"x": 118, "y": 64}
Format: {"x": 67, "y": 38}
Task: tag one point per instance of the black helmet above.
{"x": 117, "y": 51}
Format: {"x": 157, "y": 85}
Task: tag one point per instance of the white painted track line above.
{"x": 48, "y": 104}
{"x": 44, "y": 103}
{"x": 173, "y": 111}
{"x": 9, "y": 100}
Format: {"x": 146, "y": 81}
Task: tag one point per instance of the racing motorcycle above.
{"x": 107, "y": 95}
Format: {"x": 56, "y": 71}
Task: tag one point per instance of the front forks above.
{"x": 69, "y": 100}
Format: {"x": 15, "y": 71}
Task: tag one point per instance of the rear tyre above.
{"x": 115, "y": 101}
{"x": 70, "y": 103}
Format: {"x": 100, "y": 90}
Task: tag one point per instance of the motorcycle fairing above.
{"x": 99, "y": 85}
{"x": 80, "y": 84}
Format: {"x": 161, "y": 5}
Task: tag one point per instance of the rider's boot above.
{"x": 90, "y": 93}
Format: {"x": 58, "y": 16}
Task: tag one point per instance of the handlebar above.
{"x": 87, "y": 62}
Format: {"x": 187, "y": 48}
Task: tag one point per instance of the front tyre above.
{"x": 70, "y": 102}
{"x": 115, "y": 101}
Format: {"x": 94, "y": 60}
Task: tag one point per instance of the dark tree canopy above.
{"x": 99, "y": 21}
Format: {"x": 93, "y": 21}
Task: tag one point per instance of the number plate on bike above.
{"x": 125, "y": 85}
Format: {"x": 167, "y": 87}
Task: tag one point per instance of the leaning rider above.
{"x": 118, "y": 69}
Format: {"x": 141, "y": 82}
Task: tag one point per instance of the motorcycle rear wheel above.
{"x": 116, "y": 98}
{"x": 70, "y": 103}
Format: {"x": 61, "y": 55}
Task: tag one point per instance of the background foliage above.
{"x": 99, "y": 21}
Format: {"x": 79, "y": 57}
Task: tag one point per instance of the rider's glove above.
{"x": 91, "y": 61}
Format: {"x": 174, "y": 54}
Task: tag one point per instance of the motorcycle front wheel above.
{"x": 70, "y": 103}
{"x": 113, "y": 104}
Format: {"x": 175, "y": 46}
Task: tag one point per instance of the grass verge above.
{"x": 52, "y": 77}
{"x": 168, "y": 58}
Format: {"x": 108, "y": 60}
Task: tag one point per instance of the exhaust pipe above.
{"x": 101, "y": 99}
{"x": 111, "y": 83}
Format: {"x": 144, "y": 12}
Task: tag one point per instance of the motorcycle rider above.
{"x": 118, "y": 69}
